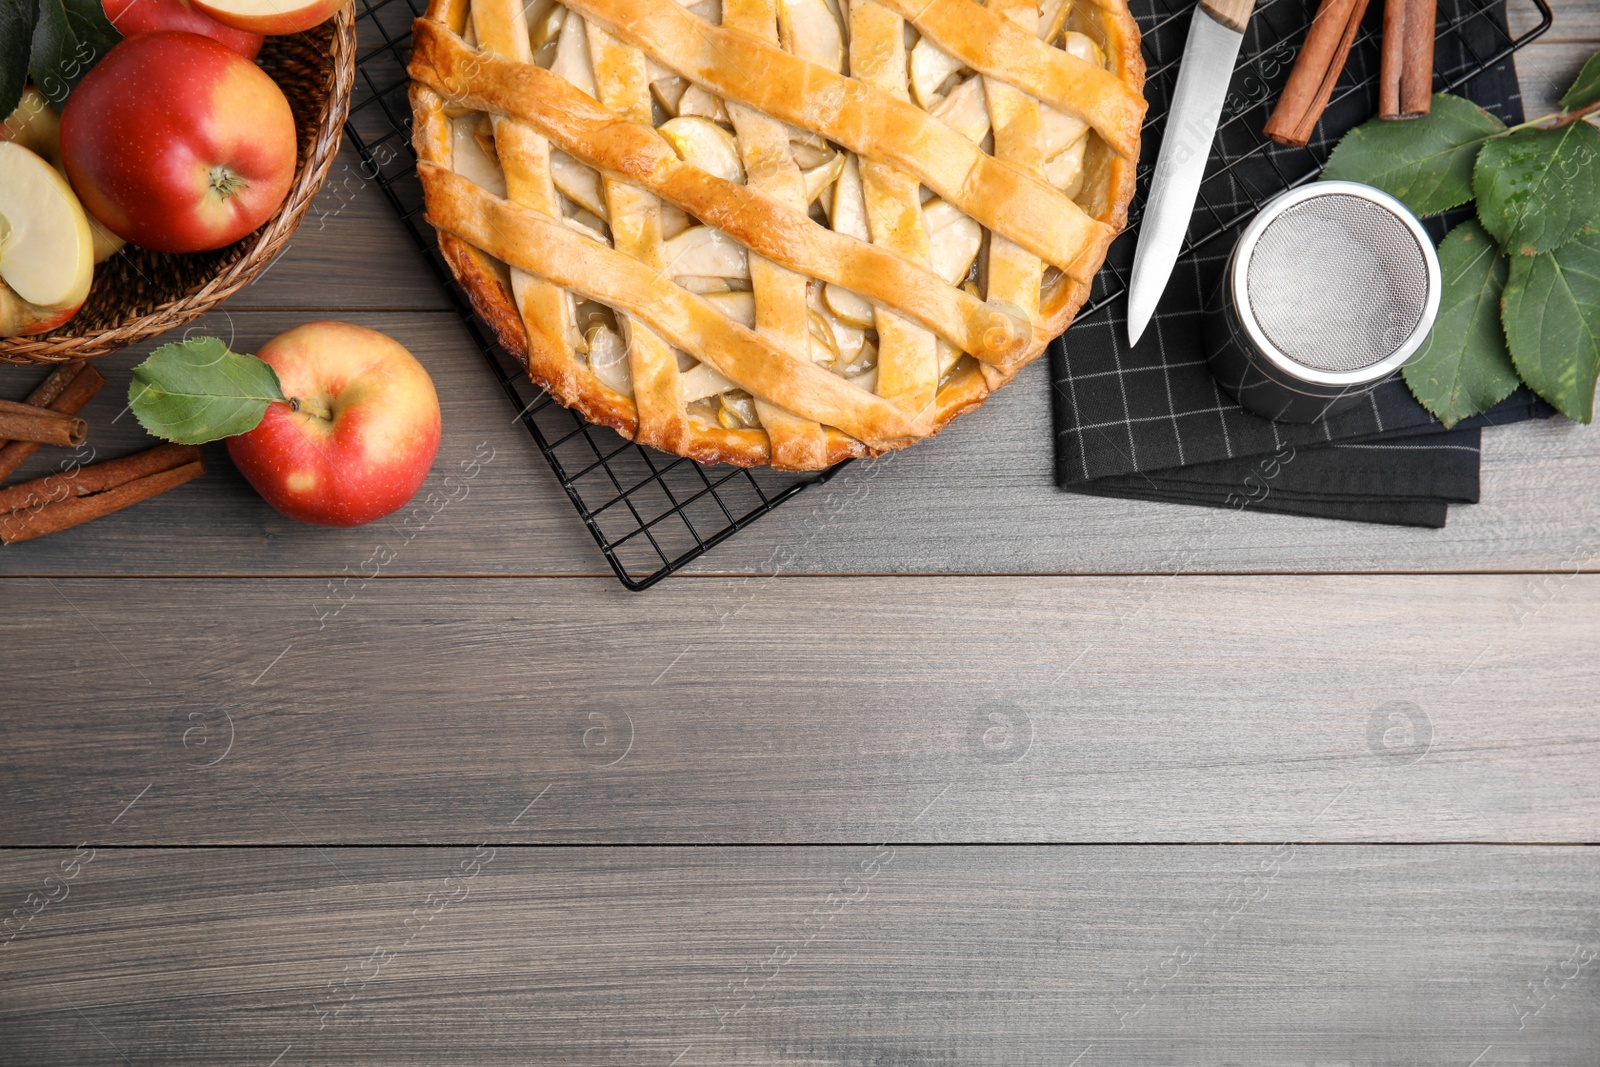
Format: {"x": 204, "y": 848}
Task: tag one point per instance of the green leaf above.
{"x": 1552, "y": 319}
{"x": 1463, "y": 368}
{"x": 16, "y": 36}
{"x": 1425, "y": 163}
{"x": 1537, "y": 188}
{"x": 197, "y": 391}
{"x": 1586, "y": 90}
{"x": 71, "y": 36}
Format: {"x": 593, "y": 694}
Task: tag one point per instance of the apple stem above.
{"x": 225, "y": 183}
{"x": 296, "y": 404}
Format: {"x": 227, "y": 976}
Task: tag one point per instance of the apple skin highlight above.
{"x": 364, "y": 437}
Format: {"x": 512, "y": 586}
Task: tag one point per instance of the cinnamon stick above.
{"x": 67, "y": 390}
{"x": 1405, "y": 78}
{"x": 1392, "y": 58}
{"x": 60, "y": 501}
{"x": 25, "y": 422}
{"x": 1416, "y": 83}
{"x": 46, "y": 392}
{"x": 1316, "y": 71}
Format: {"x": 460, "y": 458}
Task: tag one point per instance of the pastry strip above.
{"x": 634, "y": 216}
{"x": 603, "y": 140}
{"x": 908, "y": 361}
{"x": 992, "y": 44}
{"x": 780, "y": 293}
{"x": 1014, "y": 274}
{"x": 544, "y": 246}
{"x": 867, "y": 121}
{"x": 502, "y": 27}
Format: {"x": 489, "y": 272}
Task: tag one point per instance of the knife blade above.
{"x": 1216, "y": 32}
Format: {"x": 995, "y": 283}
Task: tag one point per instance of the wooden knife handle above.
{"x": 1234, "y": 14}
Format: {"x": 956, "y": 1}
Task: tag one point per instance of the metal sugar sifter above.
{"x": 1331, "y": 288}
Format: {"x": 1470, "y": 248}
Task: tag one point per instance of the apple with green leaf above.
{"x": 331, "y": 423}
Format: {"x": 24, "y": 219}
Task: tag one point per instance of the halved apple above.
{"x": 35, "y": 126}
{"x": 46, "y": 251}
{"x": 18, "y": 318}
{"x": 270, "y": 16}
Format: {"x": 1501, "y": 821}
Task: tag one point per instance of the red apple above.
{"x": 134, "y": 17}
{"x": 271, "y": 16}
{"x": 178, "y": 144}
{"x": 359, "y": 436}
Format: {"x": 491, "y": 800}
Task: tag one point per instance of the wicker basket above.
{"x": 138, "y": 293}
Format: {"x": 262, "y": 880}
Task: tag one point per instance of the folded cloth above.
{"x": 1395, "y": 479}
{"x": 1430, "y": 514}
{"x": 1402, "y": 481}
{"x": 1151, "y": 423}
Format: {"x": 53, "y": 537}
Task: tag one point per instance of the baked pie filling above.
{"x": 776, "y": 231}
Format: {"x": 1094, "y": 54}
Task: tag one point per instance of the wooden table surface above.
{"x": 934, "y": 765}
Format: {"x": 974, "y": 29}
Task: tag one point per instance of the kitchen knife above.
{"x": 1215, "y": 33}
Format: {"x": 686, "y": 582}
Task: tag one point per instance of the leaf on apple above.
{"x": 70, "y": 37}
{"x": 196, "y": 391}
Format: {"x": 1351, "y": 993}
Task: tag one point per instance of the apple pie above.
{"x": 782, "y": 232}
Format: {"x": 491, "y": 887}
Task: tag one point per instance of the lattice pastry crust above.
{"x": 776, "y": 231}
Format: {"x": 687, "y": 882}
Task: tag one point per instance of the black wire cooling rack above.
{"x": 651, "y": 513}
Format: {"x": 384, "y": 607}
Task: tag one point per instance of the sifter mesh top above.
{"x": 1337, "y": 283}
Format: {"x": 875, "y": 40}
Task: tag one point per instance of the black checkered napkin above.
{"x": 1150, "y": 421}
